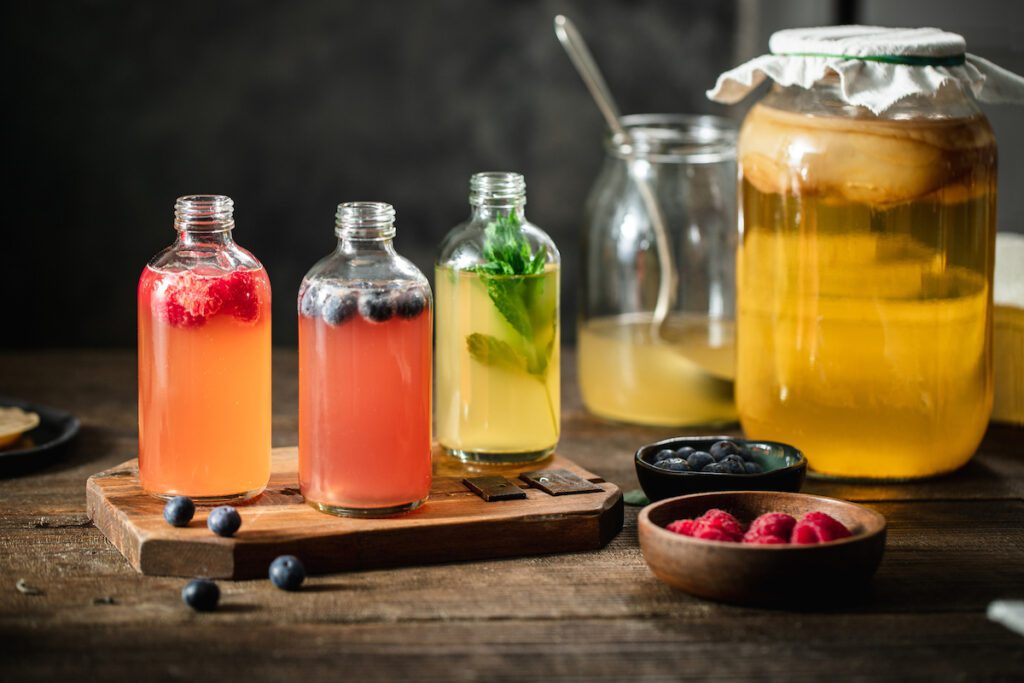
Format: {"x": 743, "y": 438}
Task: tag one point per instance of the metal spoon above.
{"x": 585, "y": 65}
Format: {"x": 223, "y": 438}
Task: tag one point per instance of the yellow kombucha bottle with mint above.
{"x": 497, "y": 335}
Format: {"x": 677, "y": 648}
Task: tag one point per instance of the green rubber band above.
{"x": 906, "y": 60}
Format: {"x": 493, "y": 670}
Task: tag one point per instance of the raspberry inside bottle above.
{"x": 204, "y": 361}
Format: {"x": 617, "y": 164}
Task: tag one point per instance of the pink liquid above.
{"x": 364, "y": 412}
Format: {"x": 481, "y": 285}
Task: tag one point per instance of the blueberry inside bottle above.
{"x": 365, "y": 321}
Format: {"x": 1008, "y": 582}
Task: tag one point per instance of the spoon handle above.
{"x": 581, "y": 58}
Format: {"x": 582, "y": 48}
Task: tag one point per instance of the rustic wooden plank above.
{"x": 453, "y": 525}
{"x": 761, "y": 646}
{"x": 942, "y": 558}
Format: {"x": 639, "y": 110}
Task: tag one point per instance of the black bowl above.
{"x": 784, "y": 469}
{"x": 39, "y": 446}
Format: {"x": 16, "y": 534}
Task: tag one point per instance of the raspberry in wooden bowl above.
{"x": 808, "y": 570}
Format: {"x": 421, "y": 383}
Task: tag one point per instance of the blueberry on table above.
{"x": 376, "y": 306}
{"x": 224, "y": 520}
{"x": 698, "y": 460}
{"x": 663, "y": 454}
{"x": 410, "y": 303}
{"x": 722, "y": 449}
{"x": 287, "y": 572}
{"x": 338, "y": 309}
{"x": 202, "y": 595}
{"x": 752, "y": 468}
{"x": 179, "y": 511}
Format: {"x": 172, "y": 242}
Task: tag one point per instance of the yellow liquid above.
{"x": 1008, "y": 355}
{"x": 864, "y": 296}
{"x": 680, "y": 375}
{"x": 506, "y": 410}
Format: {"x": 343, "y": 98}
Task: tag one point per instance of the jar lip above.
{"x": 675, "y": 138}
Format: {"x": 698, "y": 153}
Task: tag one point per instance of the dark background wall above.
{"x": 292, "y": 107}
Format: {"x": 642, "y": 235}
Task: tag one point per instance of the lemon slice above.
{"x": 13, "y": 423}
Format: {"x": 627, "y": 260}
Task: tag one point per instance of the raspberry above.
{"x": 763, "y": 538}
{"x": 817, "y": 527}
{"x": 707, "y": 533}
{"x": 773, "y": 524}
{"x": 236, "y": 295}
{"x": 722, "y": 521}
{"x": 179, "y": 317}
{"x": 682, "y": 526}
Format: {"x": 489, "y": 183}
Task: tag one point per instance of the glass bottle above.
{"x": 204, "y": 361}
{"x": 497, "y": 281}
{"x": 865, "y": 280}
{"x": 656, "y": 326}
{"x": 364, "y": 372}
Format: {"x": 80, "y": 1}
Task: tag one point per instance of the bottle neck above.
{"x": 204, "y": 238}
{"x": 486, "y": 213}
{"x": 365, "y": 228}
{"x": 204, "y": 220}
{"x": 496, "y": 194}
{"x": 350, "y": 246}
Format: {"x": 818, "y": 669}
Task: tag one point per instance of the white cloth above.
{"x": 805, "y": 56}
{"x": 1009, "y": 613}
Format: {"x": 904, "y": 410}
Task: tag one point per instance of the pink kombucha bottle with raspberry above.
{"x": 204, "y": 361}
{"x": 364, "y": 372}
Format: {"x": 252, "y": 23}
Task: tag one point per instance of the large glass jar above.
{"x": 657, "y": 310}
{"x": 204, "y": 361}
{"x": 364, "y": 372}
{"x": 497, "y": 283}
{"x": 864, "y": 279}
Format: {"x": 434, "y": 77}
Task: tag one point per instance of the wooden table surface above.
{"x": 955, "y": 544}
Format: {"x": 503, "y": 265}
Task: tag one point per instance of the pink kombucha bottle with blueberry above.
{"x": 364, "y": 372}
{"x": 204, "y": 361}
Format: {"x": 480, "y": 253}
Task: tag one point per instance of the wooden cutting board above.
{"x": 455, "y": 524}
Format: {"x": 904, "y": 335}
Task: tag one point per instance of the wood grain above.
{"x": 453, "y": 525}
{"x": 954, "y": 544}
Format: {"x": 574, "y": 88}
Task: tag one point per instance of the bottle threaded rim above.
{"x": 365, "y": 220}
{"x": 497, "y": 188}
{"x": 204, "y": 212}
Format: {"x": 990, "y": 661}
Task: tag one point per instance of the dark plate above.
{"x": 784, "y": 469}
{"x": 42, "y": 445}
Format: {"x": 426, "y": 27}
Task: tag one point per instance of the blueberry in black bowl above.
{"x": 673, "y": 464}
{"x": 717, "y": 463}
{"x": 698, "y": 460}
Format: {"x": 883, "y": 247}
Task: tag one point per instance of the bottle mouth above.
{"x": 204, "y": 213}
{"x": 365, "y": 220}
{"x": 675, "y": 138}
{"x": 497, "y": 188}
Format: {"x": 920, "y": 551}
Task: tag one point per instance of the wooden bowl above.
{"x": 784, "y": 469}
{"x": 749, "y": 574}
